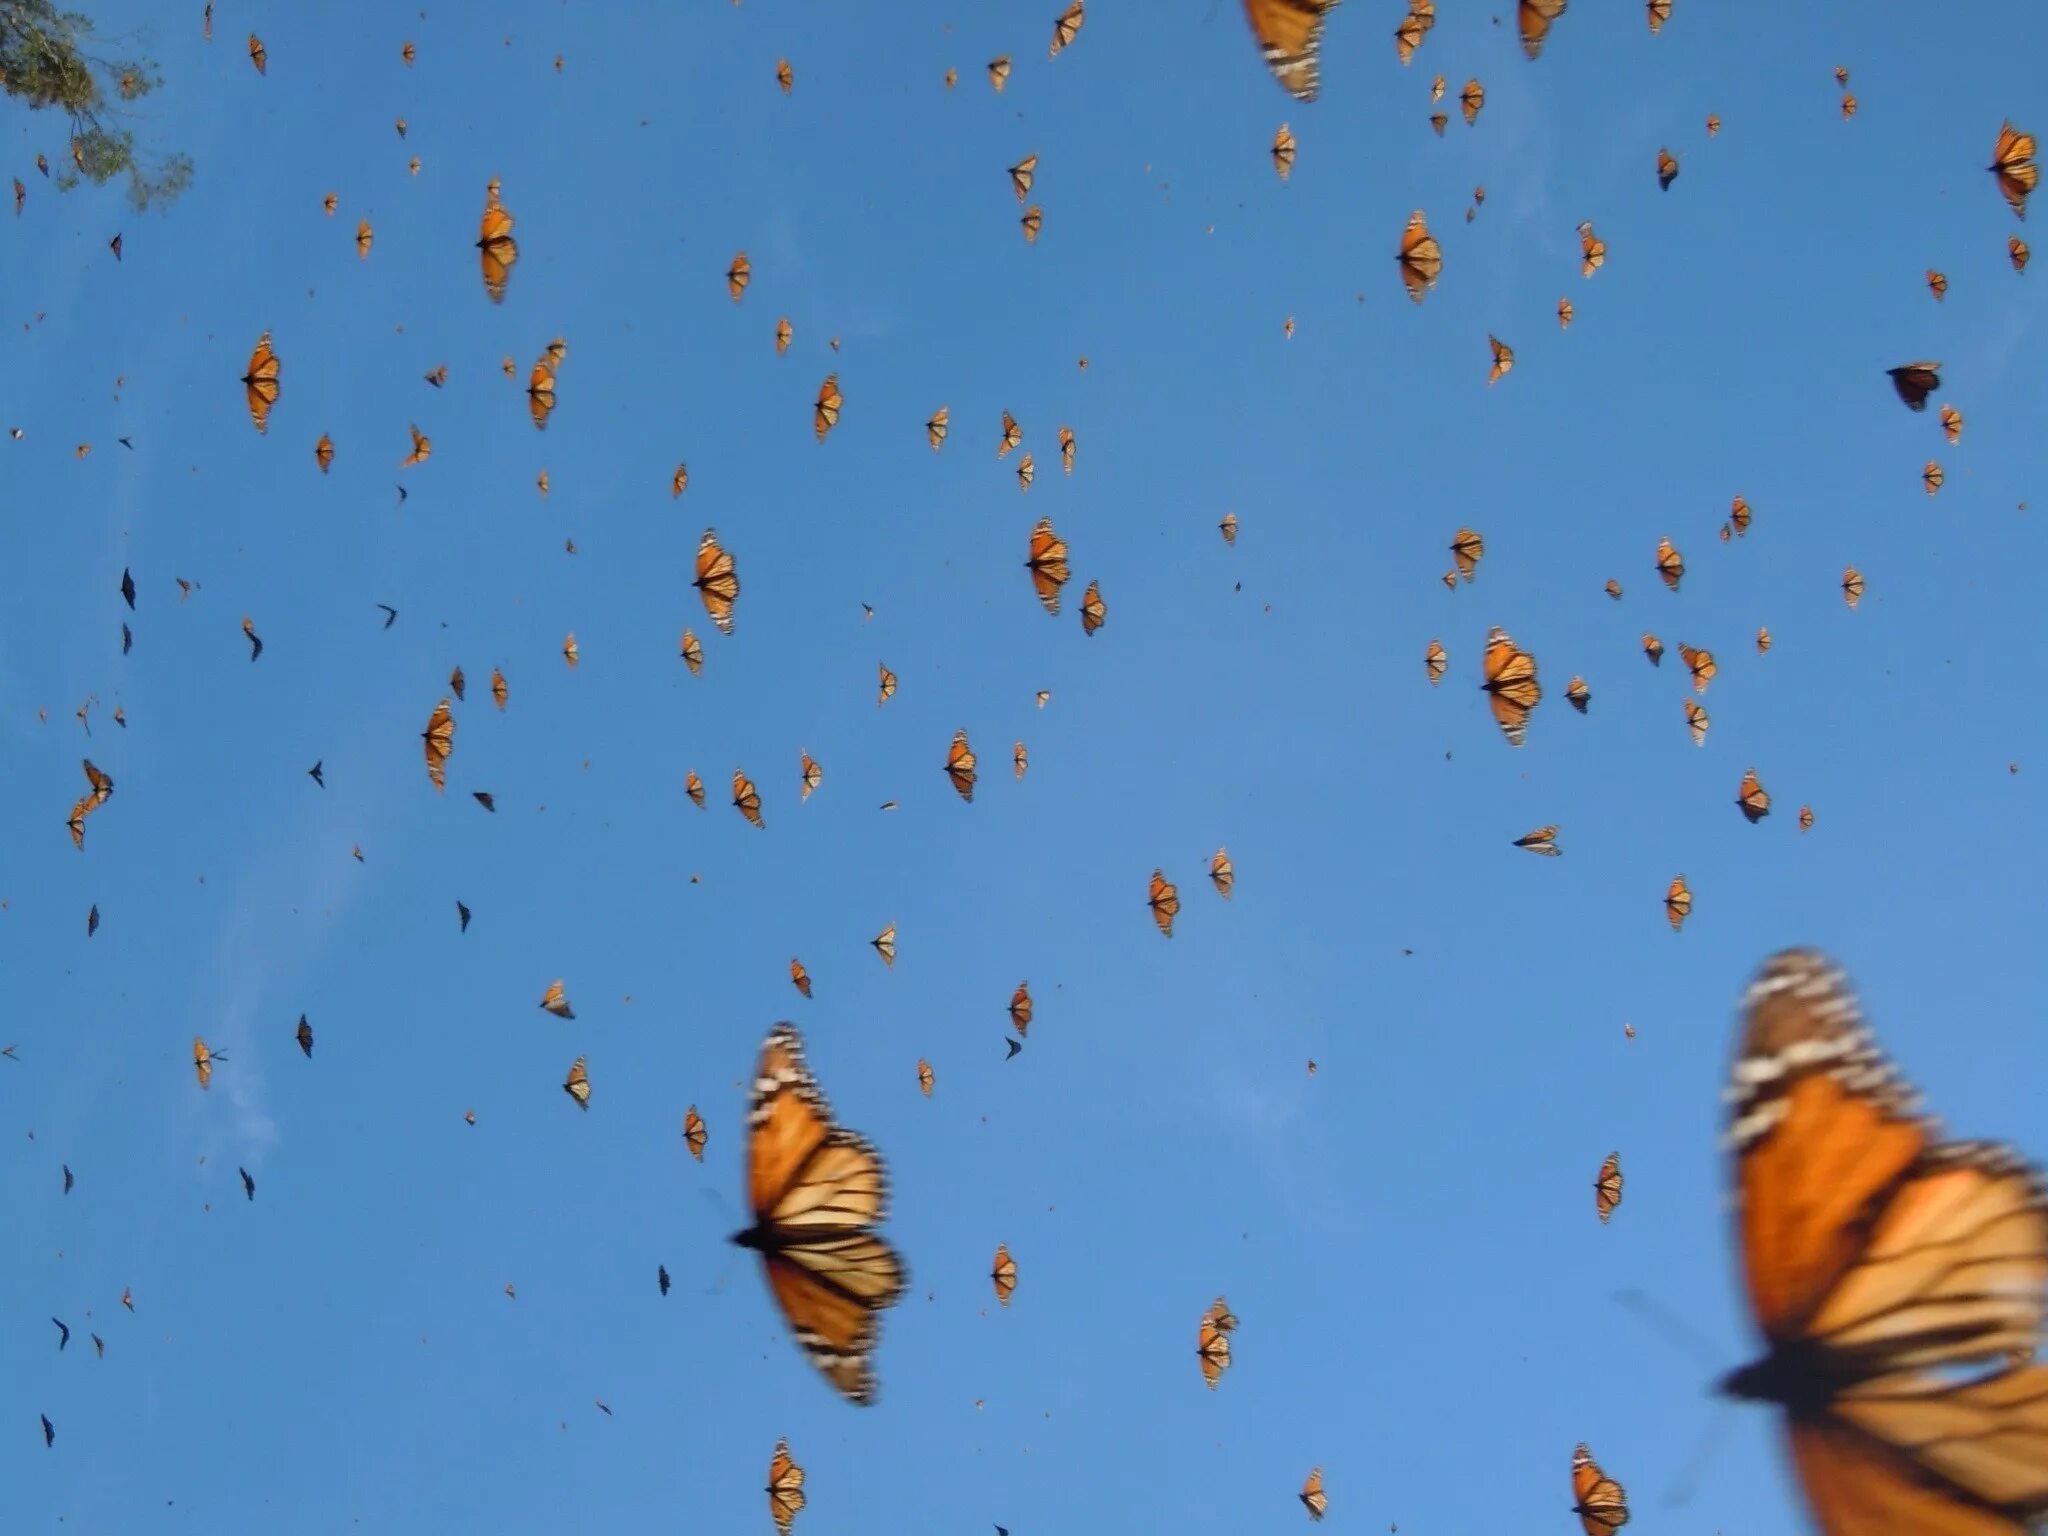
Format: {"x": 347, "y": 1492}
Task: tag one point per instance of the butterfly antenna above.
{"x": 1663, "y": 1320}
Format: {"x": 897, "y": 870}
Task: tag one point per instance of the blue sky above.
{"x": 1427, "y": 1300}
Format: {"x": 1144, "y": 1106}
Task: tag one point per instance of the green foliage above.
{"x": 45, "y": 61}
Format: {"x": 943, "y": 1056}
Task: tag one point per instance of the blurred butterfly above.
{"x": 1021, "y": 176}
{"x": 1311, "y": 1495}
{"x": 1065, "y": 29}
{"x": 1047, "y": 563}
{"x": 1163, "y": 897}
{"x": 1577, "y": 694}
{"x": 1697, "y": 722}
{"x": 1713, "y": 124}
{"x": 1020, "y": 759}
{"x": 1503, "y": 359}
{"x": 498, "y": 689}
{"x": 1592, "y": 250}
{"x": 1667, "y": 169}
{"x": 1701, "y": 663}
{"x": 1212, "y": 1341}
{"x": 1564, "y": 314}
{"x": 439, "y": 737}
{"x": 694, "y": 788}
{"x": 816, "y": 1191}
{"x": 1066, "y": 436}
{"x": 2012, "y": 162}
{"x": 1677, "y": 902}
{"x": 305, "y": 1037}
{"x": 1848, "y": 107}
{"x": 924, "y": 1077}
{"x": 261, "y": 383}
{"x": 1932, "y": 477}
{"x": 1543, "y": 840}
{"x": 999, "y": 72}
{"x": 799, "y": 977}
{"x": 738, "y": 275}
{"x": 1031, "y": 223}
{"x": 540, "y": 390}
{"x": 577, "y": 1084}
{"x": 1738, "y": 514}
{"x": 745, "y": 798}
{"x": 1471, "y": 99}
{"x": 422, "y": 449}
{"x": 1094, "y": 612}
{"x": 717, "y": 581}
{"x": 935, "y": 429}
{"x": 1763, "y": 640}
{"x": 1852, "y": 586}
{"x": 1899, "y": 1290}
{"x": 1027, "y": 470}
{"x": 884, "y": 944}
{"x": 556, "y": 1001}
{"x": 785, "y": 1488}
{"x": 783, "y": 333}
{"x": 692, "y": 653}
{"x": 826, "y": 415}
{"x": 784, "y": 76}
{"x": 1414, "y": 27}
{"x": 1283, "y": 152}
{"x": 886, "y": 690}
{"x": 2019, "y": 251}
{"x": 1654, "y": 649}
{"x": 258, "y": 55}
{"x": 694, "y": 1134}
{"x": 570, "y": 652}
{"x": 202, "y": 1065}
{"x": 1752, "y": 799}
{"x": 1915, "y": 382}
{"x": 1222, "y": 873}
{"x": 323, "y": 452}
{"x": 365, "y": 238}
{"x": 813, "y": 775}
{"x": 1228, "y": 527}
{"x": 679, "y": 482}
{"x": 1510, "y": 684}
{"x": 1597, "y": 1499}
{"x": 1660, "y": 12}
{"x": 1435, "y": 663}
{"x": 1004, "y": 1273}
{"x": 1607, "y": 1187}
{"x": 1937, "y": 284}
{"x": 960, "y": 764}
{"x": 1952, "y": 423}
{"x": 1535, "y": 19}
{"x": 1806, "y": 818}
{"x": 1420, "y": 258}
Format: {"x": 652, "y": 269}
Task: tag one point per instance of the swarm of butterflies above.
{"x": 1901, "y": 1309}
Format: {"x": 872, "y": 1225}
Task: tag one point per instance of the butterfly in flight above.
{"x": 1597, "y": 1499}
{"x": 817, "y": 1191}
{"x": 1290, "y": 36}
{"x": 1899, "y": 1289}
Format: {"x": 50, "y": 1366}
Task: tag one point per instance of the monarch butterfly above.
{"x": 1713, "y": 124}
{"x": 570, "y": 653}
{"x": 365, "y": 238}
{"x": 422, "y": 449}
{"x": 1283, "y": 152}
{"x": 540, "y": 391}
{"x": 1043, "y": 697}
{"x": 20, "y": 196}
{"x": 102, "y": 784}
{"x": 1027, "y": 470}
{"x": 1510, "y": 684}
{"x": 1290, "y": 35}
{"x": 1667, "y": 169}
{"x": 826, "y": 415}
{"x": 960, "y": 766}
{"x": 1702, "y": 665}
{"x": 577, "y": 1084}
{"x": 717, "y": 580}
{"x": 456, "y": 682}
{"x": 813, "y": 775}
{"x": 999, "y": 72}
{"x": 1677, "y": 902}
{"x": 1064, "y": 30}
{"x": 1032, "y": 222}
{"x": 1536, "y": 17}
{"x": 1592, "y": 250}
{"x": 884, "y": 944}
{"x": 304, "y": 1035}
{"x": 1577, "y": 694}
{"x": 1915, "y": 382}
{"x": 1932, "y": 477}
{"x": 439, "y": 737}
{"x": 738, "y": 275}
{"x": 799, "y": 977}
{"x": 1164, "y": 899}
{"x": 692, "y": 653}
{"x": 556, "y": 1001}
{"x": 2016, "y": 248}
{"x": 1022, "y": 174}
{"x": 1004, "y": 1273}
{"x": 1660, "y": 12}
{"x": 1806, "y": 818}
{"x": 816, "y": 1191}
{"x": 1067, "y": 446}
{"x": 261, "y": 383}
{"x": 258, "y": 55}
{"x": 694, "y": 1135}
{"x": 1436, "y": 90}
{"x": 1094, "y": 612}
{"x": 1848, "y": 106}
{"x": 1697, "y": 722}
{"x": 952, "y": 77}
{"x": 255, "y": 640}
{"x": 1408, "y": 37}
{"x": 694, "y": 788}
{"x": 114, "y": 245}
{"x": 1435, "y": 663}
{"x": 1738, "y": 514}
{"x": 1900, "y": 1313}
{"x": 1222, "y": 873}
{"x": 1212, "y": 1341}
{"x": 1047, "y": 562}
{"x": 784, "y": 76}
{"x": 2012, "y": 162}
{"x": 1503, "y": 360}
{"x": 1937, "y": 284}
{"x": 498, "y": 689}
{"x": 1752, "y": 799}
{"x": 785, "y": 1488}
{"x": 1597, "y": 1499}
{"x": 745, "y": 798}
{"x": 1471, "y": 99}
{"x": 1419, "y": 256}
{"x": 924, "y": 1077}
{"x": 1952, "y": 423}
{"x": 1020, "y": 759}
{"x": 202, "y": 1062}
{"x": 1654, "y": 649}
{"x": 783, "y": 333}
{"x": 1763, "y": 639}
{"x": 1311, "y": 1494}
{"x": 1543, "y": 840}
{"x": 679, "y": 482}
{"x": 1564, "y": 314}
{"x": 887, "y": 690}
{"x": 935, "y": 429}
{"x": 1020, "y": 1009}
{"x": 1852, "y": 585}
{"x": 1607, "y": 1188}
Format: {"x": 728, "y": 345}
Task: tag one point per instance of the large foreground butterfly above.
{"x": 817, "y": 1191}
{"x": 1290, "y": 34}
{"x": 1898, "y": 1280}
